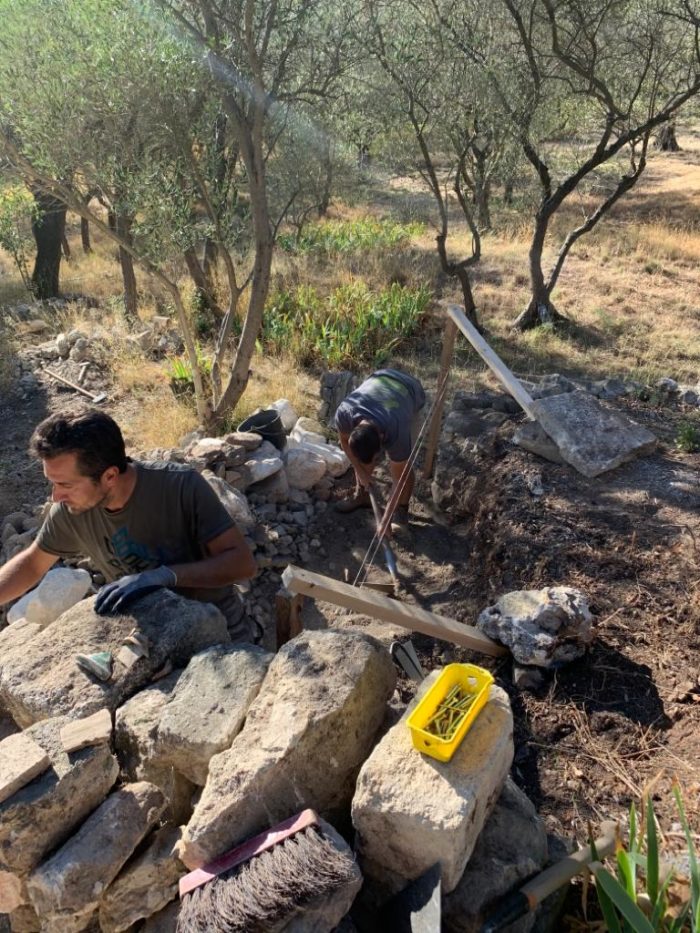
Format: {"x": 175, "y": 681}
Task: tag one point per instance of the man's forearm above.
{"x": 20, "y": 574}
{"x": 218, "y": 570}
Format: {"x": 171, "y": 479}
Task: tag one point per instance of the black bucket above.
{"x": 268, "y": 424}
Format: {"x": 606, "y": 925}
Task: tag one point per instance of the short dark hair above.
{"x": 365, "y": 442}
{"x": 92, "y": 436}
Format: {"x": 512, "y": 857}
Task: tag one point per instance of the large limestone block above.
{"x": 145, "y": 885}
{"x": 61, "y": 588}
{"x": 72, "y": 881}
{"x": 40, "y": 678}
{"x": 208, "y": 706}
{"x": 334, "y": 457}
{"x": 512, "y": 847}
{"x": 43, "y": 814}
{"x": 546, "y": 628}
{"x": 136, "y": 743}
{"x": 411, "y": 811}
{"x": 306, "y": 735}
{"x": 593, "y": 439}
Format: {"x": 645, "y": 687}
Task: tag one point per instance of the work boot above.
{"x": 359, "y": 500}
{"x": 400, "y": 518}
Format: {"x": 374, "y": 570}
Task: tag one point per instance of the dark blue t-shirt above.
{"x": 390, "y": 399}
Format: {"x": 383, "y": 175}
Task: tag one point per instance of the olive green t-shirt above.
{"x": 171, "y": 515}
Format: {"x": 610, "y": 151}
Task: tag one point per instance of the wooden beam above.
{"x": 21, "y": 760}
{"x": 90, "y": 730}
{"x": 369, "y": 603}
{"x": 288, "y": 616}
{"x": 448, "y": 348}
{"x": 493, "y": 361}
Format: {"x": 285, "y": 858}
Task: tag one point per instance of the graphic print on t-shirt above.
{"x": 128, "y": 555}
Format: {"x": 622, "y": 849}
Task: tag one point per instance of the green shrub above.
{"x": 688, "y": 437}
{"x": 349, "y": 327}
{"x": 331, "y": 237}
{"x": 635, "y": 899}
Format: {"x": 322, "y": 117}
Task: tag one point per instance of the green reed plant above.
{"x": 351, "y": 326}
{"x": 635, "y": 899}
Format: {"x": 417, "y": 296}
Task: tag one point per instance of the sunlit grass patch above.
{"x": 349, "y": 236}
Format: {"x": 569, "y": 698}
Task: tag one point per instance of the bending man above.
{"x": 382, "y": 414}
{"x": 143, "y": 525}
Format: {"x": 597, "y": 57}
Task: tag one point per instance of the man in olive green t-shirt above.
{"x": 145, "y": 526}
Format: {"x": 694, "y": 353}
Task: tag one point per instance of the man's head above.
{"x": 83, "y": 457}
{"x": 365, "y": 442}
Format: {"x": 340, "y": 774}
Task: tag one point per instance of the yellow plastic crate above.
{"x": 472, "y": 679}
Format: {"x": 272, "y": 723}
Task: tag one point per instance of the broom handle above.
{"x": 529, "y": 896}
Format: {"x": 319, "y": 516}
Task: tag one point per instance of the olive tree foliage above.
{"x": 180, "y": 112}
{"x": 583, "y": 86}
{"x": 441, "y": 109}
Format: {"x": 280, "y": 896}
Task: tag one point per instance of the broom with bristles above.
{"x": 264, "y": 881}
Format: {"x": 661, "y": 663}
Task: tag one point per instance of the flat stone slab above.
{"x": 591, "y": 438}
{"x": 411, "y": 811}
{"x": 71, "y": 883}
{"x": 39, "y": 677}
{"x": 21, "y": 760}
{"x": 208, "y": 706}
{"x": 304, "y": 740}
{"x": 532, "y": 437}
{"x": 44, "y": 813}
{"x": 92, "y": 730}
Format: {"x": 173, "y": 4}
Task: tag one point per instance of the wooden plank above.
{"x": 448, "y": 348}
{"x": 91, "y": 730}
{"x": 493, "y": 361}
{"x": 369, "y": 603}
{"x": 288, "y": 615}
{"x": 21, "y": 760}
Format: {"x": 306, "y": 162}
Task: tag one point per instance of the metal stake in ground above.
{"x": 389, "y": 556}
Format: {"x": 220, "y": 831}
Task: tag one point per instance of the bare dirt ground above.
{"x": 603, "y": 728}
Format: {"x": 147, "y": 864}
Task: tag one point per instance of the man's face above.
{"x": 68, "y": 485}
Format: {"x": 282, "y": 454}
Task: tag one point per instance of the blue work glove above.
{"x": 115, "y": 597}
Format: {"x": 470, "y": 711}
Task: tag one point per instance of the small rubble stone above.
{"x": 411, "y": 811}
{"x": 545, "y": 628}
{"x": 303, "y": 742}
{"x": 287, "y": 414}
{"x": 208, "y": 706}
{"x": 165, "y": 921}
{"x": 511, "y": 848}
{"x": 74, "y": 878}
{"x": 42, "y": 814}
{"x": 145, "y": 885}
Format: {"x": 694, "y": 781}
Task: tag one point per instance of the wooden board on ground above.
{"x": 368, "y": 603}
{"x": 493, "y": 361}
{"x": 91, "y": 730}
{"x": 21, "y": 760}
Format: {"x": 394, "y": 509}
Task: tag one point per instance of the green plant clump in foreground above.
{"x": 350, "y": 327}
{"x": 349, "y": 236}
{"x": 636, "y": 899}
